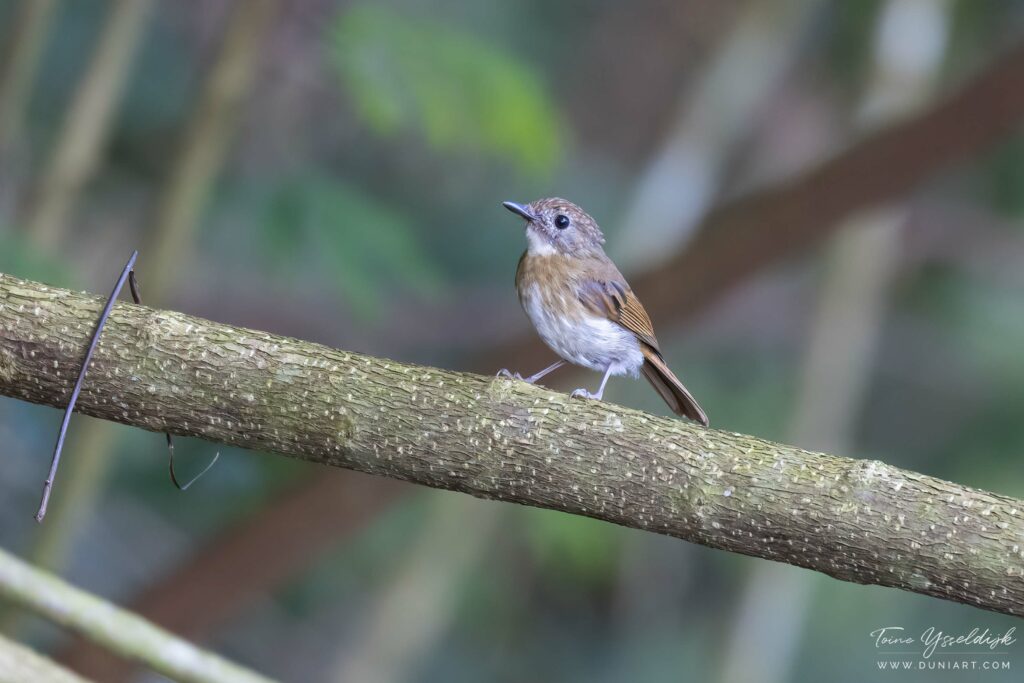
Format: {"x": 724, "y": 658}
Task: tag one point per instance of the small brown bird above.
{"x": 583, "y": 308}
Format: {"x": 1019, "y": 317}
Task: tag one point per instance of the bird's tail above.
{"x": 669, "y": 387}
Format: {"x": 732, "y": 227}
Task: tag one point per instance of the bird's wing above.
{"x": 613, "y": 299}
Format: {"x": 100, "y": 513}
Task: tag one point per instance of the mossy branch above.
{"x": 860, "y": 521}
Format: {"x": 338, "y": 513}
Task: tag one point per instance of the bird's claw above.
{"x": 506, "y": 374}
{"x": 583, "y": 393}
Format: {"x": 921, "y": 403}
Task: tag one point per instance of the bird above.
{"x": 583, "y": 308}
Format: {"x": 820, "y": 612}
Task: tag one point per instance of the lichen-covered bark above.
{"x": 861, "y": 521}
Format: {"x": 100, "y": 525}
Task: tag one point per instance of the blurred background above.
{"x": 820, "y": 202}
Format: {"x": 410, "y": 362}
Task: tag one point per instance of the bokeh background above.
{"x": 839, "y": 185}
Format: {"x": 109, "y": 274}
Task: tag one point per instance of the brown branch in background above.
{"x": 86, "y": 126}
{"x": 713, "y": 117}
{"x": 745, "y": 236}
{"x": 762, "y": 229}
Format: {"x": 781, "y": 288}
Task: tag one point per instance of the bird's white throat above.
{"x": 537, "y": 244}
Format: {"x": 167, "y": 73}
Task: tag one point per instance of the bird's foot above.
{"x": 506, "y": 374}
{"x": 583, "y": 393}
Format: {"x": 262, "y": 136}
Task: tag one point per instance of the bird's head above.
{"x": 557, "y": 226}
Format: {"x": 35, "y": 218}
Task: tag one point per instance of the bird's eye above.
{"x": 561, "y": 221}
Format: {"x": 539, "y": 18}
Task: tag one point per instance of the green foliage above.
{"x": 1004, "y": 173}
{"x": 848, "y": 49}
{"x": 352, "y": 572}
{"x": 986, "y": 322}
{"x": 158, "y": 92}
{"x": 577, "y": 548}
{"x": 974, "y": 24}
{"x": 754, "y": 387}
{"x": 366, "y": 248}
{"x": 455, "y": 89}
{"x": 19, "y": 258}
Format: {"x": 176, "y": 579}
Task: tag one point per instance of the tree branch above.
{"x": 19, "y": 664}
{"x": 123, "y": 632}
{"x": 194, "y": 599}
{"x": 222, "y": 576}
{"x": 860, "y": 521}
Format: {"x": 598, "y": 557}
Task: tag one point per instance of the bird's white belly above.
{"x": 586, "y": 339}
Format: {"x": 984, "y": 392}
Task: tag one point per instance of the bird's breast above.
{"x": 547, "y": 293}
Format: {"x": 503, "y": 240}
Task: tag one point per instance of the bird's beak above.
{"x": 519, "y": 209}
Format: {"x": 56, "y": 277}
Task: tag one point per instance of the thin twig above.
{"x": 170, "y": 467}
{"x": 55, "y": 462}
{"x": 133, "y": 286}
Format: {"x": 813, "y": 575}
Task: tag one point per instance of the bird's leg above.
{"x": 537, "y": 375}
{"x": 583, "y": 393}
{"x": 532, "y": 378}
